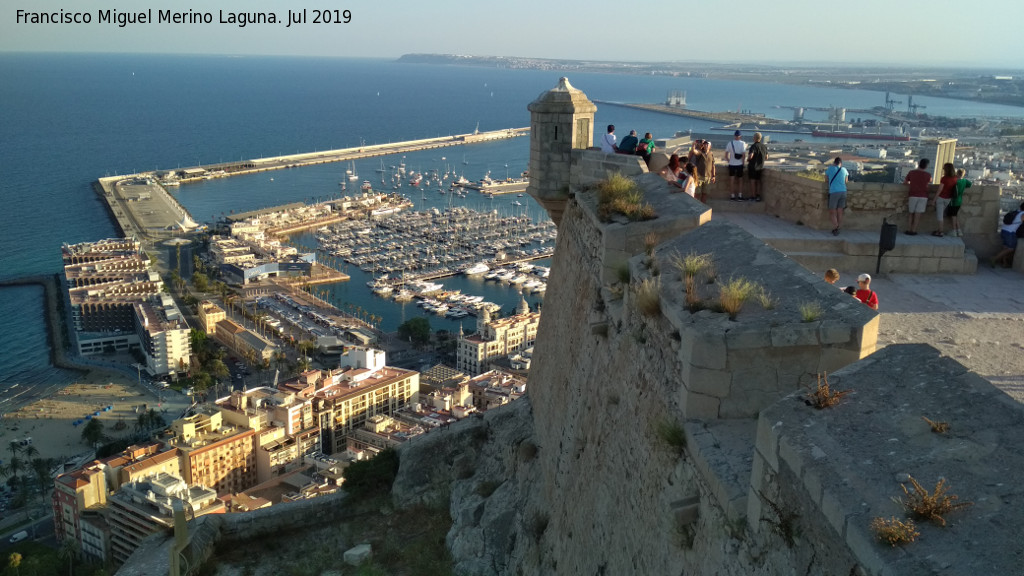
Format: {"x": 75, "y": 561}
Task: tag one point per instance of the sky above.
{"x": 981, "y": 33}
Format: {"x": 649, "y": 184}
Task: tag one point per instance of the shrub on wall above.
{"x": 373, "y": 476}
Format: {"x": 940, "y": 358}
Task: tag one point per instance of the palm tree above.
{"x": 69, "y": 549}
{"x": 93, "y": 431}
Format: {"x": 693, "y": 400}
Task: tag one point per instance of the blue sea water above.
{"x": 67, "y": 119}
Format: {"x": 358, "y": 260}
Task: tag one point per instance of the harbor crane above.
{"x": 911, "y": 107}
{"x": 890, "y": 103}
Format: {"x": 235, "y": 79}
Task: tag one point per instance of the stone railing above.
{"x": 804, "y": 201}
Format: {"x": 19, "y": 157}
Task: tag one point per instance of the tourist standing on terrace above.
{"x": 700, "y": 155}
{"x": 735, "y": 154}
{"x": 947, "y": 188}
{"x": 864, "y": 292}
{"x": 628, "y": 144}
{"x": 837, "y": 177}
{"x": 957, "y": 200}
{"x": 608, "y": 141}
{"x": 917, "y": 200}
{"x": 756, "y": 155}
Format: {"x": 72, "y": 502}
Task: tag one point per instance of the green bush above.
{"x": 372, "y": 477}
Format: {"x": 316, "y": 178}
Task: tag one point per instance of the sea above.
{"x": 67, "y": 119}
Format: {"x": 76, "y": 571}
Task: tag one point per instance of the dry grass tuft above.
{"x": 810, "y": 311}
{"x": 894, "y": 531}
{"x": 937, "y": 427}
{"x": 930, "y": 506}
{"x": 650, "y": 241}
{"x": 734, "y": 293}
{"x": 620, "y": 195}
{"x": 822, "y": 396}
{"x": 764, "y": 298}
{"x": 648, "y": 297}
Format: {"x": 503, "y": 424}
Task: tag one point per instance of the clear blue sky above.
{"x": 981, "y": 33}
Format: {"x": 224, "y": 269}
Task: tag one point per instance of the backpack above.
{"x": 756, "y": 158}
{"x": 1008, "y": 218}
{"x": 641, "y": 148}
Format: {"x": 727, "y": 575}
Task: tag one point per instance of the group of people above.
{"x": 693, "y": 173}
{"x": 862, "y": 291}
{"x": 630, "y": 144}
{"x": 740, "y": 156}
{"x": 947, "y": 201}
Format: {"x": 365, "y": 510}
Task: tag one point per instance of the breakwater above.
{"x": 204, "y": 172}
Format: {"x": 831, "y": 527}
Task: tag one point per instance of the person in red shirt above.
{"x": 919, "y": 180}
{"x": 864, "y": 292}
{"x": 947, "y": 188}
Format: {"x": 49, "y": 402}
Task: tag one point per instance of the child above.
{"x": 831, "y": 275}
{"x": 958, "y": 197}
{"x": 864, "y": 292}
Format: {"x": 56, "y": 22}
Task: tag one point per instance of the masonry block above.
{"x": 767, "y": 443}
{"x": 743, "y": 337}
{"x": 915, "y": 250}
{"x": 834, "y": 333}
{"x": 789, "y": 335}
{"x": 699, "y": 406}
{"x": 864, "y": 548}
{"x": 711, "y": 382}
{"x": 358, "y": 554}
{"x": 951, "y": 266}
{"x": 703, "y": 349}
{"x": 928, "y": 266}
{"x": 868, "y": 337}
{"x": 812, "y": 483}
{"x": 834, "y": 358}
{"x": 833, "y": 511}
{"x": 791, "y": 456}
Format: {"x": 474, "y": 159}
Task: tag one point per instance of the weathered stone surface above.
{"x": 358, "y": 554}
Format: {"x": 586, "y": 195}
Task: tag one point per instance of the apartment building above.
{"x": 164, "y": 336}
{"x": 209, "y": 315}
{"x": 495, "y": 339}
{"x": 215, "y": 454}
{"x": 364, "y": 387}
{"x": 141, "y": 508}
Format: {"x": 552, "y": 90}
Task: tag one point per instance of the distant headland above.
{"x": 974, "y": 84}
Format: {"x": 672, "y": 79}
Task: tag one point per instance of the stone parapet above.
{"x": 839, "y": 468}
{"x": 735, "y": 367}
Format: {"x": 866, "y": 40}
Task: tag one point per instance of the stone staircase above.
{"x": 819, "y": 250}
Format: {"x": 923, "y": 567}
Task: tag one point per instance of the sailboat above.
{"x": 381, "y": 169}
{"x": 351, "y": 172}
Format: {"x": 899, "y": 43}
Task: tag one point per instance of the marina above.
{"x": 405, "y": 252}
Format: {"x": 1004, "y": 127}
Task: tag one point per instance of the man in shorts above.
{"x": 917, "y": 202}
{"x": 757, "y": 153}
{"x": 837, "y": 177}
{"x": 735, "y": 154}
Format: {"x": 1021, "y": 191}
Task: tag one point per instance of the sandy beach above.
{"x": 49, "y": 420}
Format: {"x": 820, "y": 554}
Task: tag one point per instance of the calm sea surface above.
{"x": 67, "y": 119}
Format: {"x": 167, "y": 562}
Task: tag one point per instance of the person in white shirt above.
{"x": 735, "y": 155}
{"x": 608, "y": 141}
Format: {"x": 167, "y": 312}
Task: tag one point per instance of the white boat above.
{"x": 517, "y": 203}
{"x": 351, "y": 172}
{"x": 518, "y": 279}
{"x": 475, "y": 269}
